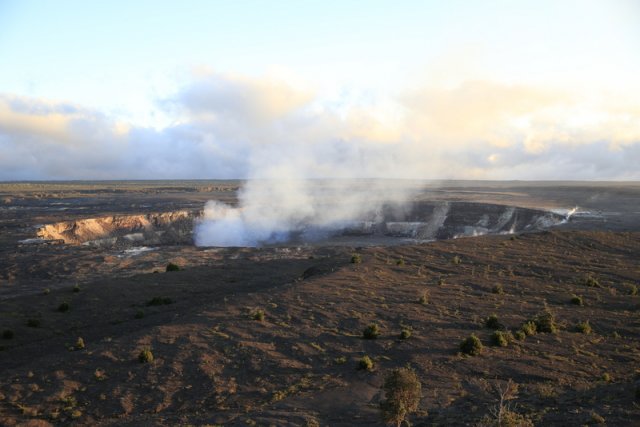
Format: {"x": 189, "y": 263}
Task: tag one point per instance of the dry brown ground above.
{"x": 215, "y": 364}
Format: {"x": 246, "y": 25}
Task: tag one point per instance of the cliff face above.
{"x": 153, "y": 228}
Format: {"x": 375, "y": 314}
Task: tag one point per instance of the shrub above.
{"x": 34, "y": 323}
{"x": 424, "y": 298}
{"x": 500, "y": 339}
{"x": 139, "y": 314}
{"x": 520, "y": 335}
{"x": 583, "y": 327}
{"x": 498, "y": 289}
{"x": 159, "y": 301}
{"x": 79, "y": 344}
{"x": 591, "y": 281}
{"x": 545, "y": 322}
{"x": 632, "y": 290}
{"x": 403, "y": 392}
{"x": 471, "y": 345}
{"x": 576, "y": 300}
{"x": 405, "y": 334}
{"x": 606, "y": 377}
{"x": 400, "y": 262}
{"x": 456, "y": 260}
{"x": 258, "y": 315}
{"x": 440, "y": 281}
{"x": 371, "y": 332}
{"x": 529, "y": 328}
{"x": 365, "y": 363}
{"x": 145, "y": 356}
{"x": 46, "y": 291}
{"x": 64, "y": 307}
{"x": 7, "y": 334}
{"x": 340, "y": 360}
{"x": 492, "y": 322}
{"x": 356, "y": 259}
{"x": 76, "y": 288}
{"x": 173, "y": 267}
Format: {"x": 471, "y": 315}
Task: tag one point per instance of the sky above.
{"x": 310, "y": 89}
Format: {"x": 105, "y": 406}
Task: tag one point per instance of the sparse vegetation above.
{"x": 145, "y": 356}
{"x": 583, "y": 327}
{"x": 173, "y": 267}
{"x": 498, "y": 289}
{"x": 403, "y": 392}
{"x": 76, "y": 288}
{"x": 492, "y": 322}
{"x": 79, "y": 344}
{"x": 356, "y": 259}
{"x": 632, "y": 290}
{"x": 471, "y": 345}
{"x": 546, "y": 322}
{"x": 424, "y": 298}
{"x": 258, "y": 315}
{"x": 340, "y": 360}
{"x": 371, "y": 332}
{"x": 405, "y": 334}
{"x": 503, "y": 414}
{"x": 576, "y": 300}
{"x": 500, "y": 339}
{"x": 591, "y": 281}
{"x": 365, "y": 363}
{"x": 159, "y": 301}
{"x": 63, "y": 307}
{"x": 400, "y": 262}
{"x": 456, "y": 260}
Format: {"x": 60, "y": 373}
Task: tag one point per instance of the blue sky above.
{"x": 461, "y": 89}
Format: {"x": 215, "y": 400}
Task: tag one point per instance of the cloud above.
{"x": 229, "y": 126}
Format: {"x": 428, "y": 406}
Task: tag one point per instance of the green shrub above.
{"x": 371, "y": 332}
{"x": 76, "y": 288}
{"x": 500, "y": 339}
{"x": 424, "y": 298}
{"x": 145, "y": 356}
{"x": 471, "y": 345}
{"x": 7, "y": 334}
{"x": 34, "y": 323}
{"x": 46, "y": 291}
{"x": 520, "y": 335}
{"x": 498, "y": 289}
{"x": 492, "y": 322}
{"x": 632, "y": 290}
{"x": 583, "y": 327}
{"x": 159, "y": 301}
{"x": 606, "y": 377}
{"x": 591, "y": 281}
{"x": 340, "y": 360}
{"x": 356, "y": 259}
{"x": 365, "y": 363}
{"x": 258, "y": 315}
{"x": 64, "y": 307}
{"x": 456, "y": 260}
{"x": 529, "y": 328}
{"x": 400, "y": 262}
{"x": 405, "y": 334}
{"x": 173, "y": 267}
{"x": 403, "y": 391}
{"x": 576, "y": 300}
{"x": 545, "y": 322}
{"x": 440, "y": 281}
{"x": 79, "y": 344}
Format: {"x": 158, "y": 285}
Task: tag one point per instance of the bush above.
{"x": 173, "y": 267}
{"x": 545, "y": 322}
{"x": 159, "y": 301}
{"x": 79, "y": 344}
{"x": 365, "y": 363}
{"x": 46, "y": 291}
{"x": 576, "y": 300}
{"x": 471, "y": 345}
{"x": 440, "y": 281}
{"x": 356, "y": 259}
{"x": 456, "y": 260}
{"x": 492, "y": 322}
{"x": 76, "y": 288}
{"x": 371, "y": 332}
{"x": 34, "y": 323}
{"x": 258, "y": 315}
{"x": 500, "y": 339}
{"x": 520, "y": 335}
{"x": 403, "y": 391}
{"x": 145, "y": 356}
{"x": 7, "y": 334}
{"x": 400, "y": 262}
{"x": 591, "y": 281}
{"x": 529, "y": 328}
{"x": 340, "y": 360}
{"x": 64, "y": 307}
{"x": 632, "y": 290}
{"x": 405, "y": 334}
{"x": 424, "y": 298}
{"x": 583, "y": 327}
{"x": 498, "y": 289}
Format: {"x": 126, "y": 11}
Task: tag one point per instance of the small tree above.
{"x": 402, "y": 391}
